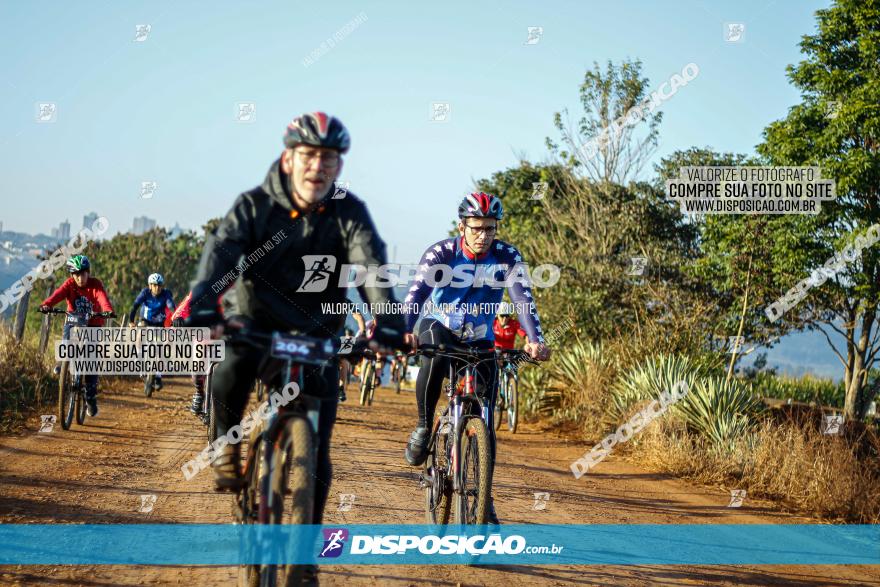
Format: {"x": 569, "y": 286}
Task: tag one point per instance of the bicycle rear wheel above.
{"x": 292, "y": 472}
{"x": 512, "y": 402}
{"x": 472, "y": 502}
{"x": 66, "y": 396}
{"x": 398, "y": 379}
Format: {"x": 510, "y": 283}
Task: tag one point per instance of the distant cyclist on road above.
{"x": 155, "y": 303}
{"x": 83, "y": 293}
{"x": 506, "y": 328}
{"x": 227, "y": 307}
{"x": 452, "y": 318}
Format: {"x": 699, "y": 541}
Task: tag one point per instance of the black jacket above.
{"x": 260, "y": 245}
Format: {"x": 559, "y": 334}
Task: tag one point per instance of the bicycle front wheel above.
{"x": 255, "y": 470}
{"x": 80, "y": 403}
{"x": 366, "y": 380}
{"x": 66, "y": 396}
{"x": 148, "y": 385}
{"x": 292, "y": 472}
{"x": 475, "y": 487}
{"x": 211, "y": 412}
{"x": 512, "y": 402}
{"x": 373, "y": 385}
{"x": 499, "y": 405}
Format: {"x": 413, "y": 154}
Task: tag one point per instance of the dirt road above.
{"x": 97, "y": 474}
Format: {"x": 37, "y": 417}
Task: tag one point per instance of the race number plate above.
{"x": 302, "y": 349}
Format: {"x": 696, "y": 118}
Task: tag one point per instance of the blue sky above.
{"x": 163, "y": 109}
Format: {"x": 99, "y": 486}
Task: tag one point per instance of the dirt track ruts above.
{"x": 96, "y": 474}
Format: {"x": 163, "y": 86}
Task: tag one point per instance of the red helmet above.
{"x": 480, "y": 205}
{"x": 319, "y": 130}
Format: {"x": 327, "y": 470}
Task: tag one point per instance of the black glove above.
{"x": 203, "y": 318}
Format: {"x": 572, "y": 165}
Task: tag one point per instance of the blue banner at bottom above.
{"x": 637, "y": 544}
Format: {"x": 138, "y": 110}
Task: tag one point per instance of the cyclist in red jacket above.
{"x": 226, "y": 306}
{"x": 506, "y": 328}
{"x": 83, "y": 293}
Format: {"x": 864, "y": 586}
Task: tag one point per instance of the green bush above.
{"x": 803, "y": 389}
{"x": 720, "y": 410}
{"x": 646, "y": 380}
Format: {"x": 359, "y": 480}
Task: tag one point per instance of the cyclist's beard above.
{"x": 294, "y": 193}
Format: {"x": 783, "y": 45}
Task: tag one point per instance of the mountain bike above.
{"x": 457, "y": 475}
{"x": 369, "y": 379}
{"x": 71, "y": 387}
{"x": 208, "y": 411}
{"x": 398, "y": 372}
{"x": 149, "y": 379}
{"x": 508, "y": 387}
{"x": 282, "y": 449}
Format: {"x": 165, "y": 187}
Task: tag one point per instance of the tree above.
{"x": 591, "y": 232}
{"x": 836, "y": 127}
{"x": 604, "y": 146}
{"x": 736, "y": 257}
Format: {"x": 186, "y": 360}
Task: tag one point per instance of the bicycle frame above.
{"x": 463, "y": 404}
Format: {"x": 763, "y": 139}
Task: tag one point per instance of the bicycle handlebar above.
{"x": 516, "y": 355}
{"x": 90, "y": 314}
{"x": 463, "y": 352}
{"x": 262, "y": 340}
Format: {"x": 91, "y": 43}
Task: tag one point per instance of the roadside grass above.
{"x": 721, "y": 433}
{"x": 799, "y": 467}
{"x": 26, "y": 383}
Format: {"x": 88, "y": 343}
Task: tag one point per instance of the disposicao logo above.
{"x": 334, "y": 540}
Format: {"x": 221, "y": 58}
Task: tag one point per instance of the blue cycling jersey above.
{"x": 153, "y": 307}
{"x": 465, "y": 297}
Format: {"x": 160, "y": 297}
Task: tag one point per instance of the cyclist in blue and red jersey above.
{"x": 156, "y": 304}
{"x": 462, "y": 310}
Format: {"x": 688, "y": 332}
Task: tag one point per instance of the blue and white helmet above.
{"x": 156, "y": 279}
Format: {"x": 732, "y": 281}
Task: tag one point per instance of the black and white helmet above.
{"x": 480, "y": 205}
{"x": 319, "y": 130}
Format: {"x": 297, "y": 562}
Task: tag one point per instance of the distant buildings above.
{"x": 142, "y": 224}
{"x": 89, "y": 219}
{"x": 62, "y": 232}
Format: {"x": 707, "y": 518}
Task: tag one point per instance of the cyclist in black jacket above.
{"x": 283, "y": 244}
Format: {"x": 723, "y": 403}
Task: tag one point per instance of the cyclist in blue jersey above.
{"x": 155, "y": 303}
{"x": 460, "y": 308}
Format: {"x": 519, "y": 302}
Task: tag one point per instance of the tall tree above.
{"x": 603, "y": 145}
{"x": 837, "y": 127}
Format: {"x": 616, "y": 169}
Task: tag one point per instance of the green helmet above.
{"x": 78, "y": 263}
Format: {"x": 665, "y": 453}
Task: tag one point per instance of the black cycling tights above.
{"x": 231, "y": 385}
{"x": 432, "y": 371}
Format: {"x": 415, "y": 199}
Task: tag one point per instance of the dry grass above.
{"x": 25, "y": 380}
{"x": 799, "y": 467}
